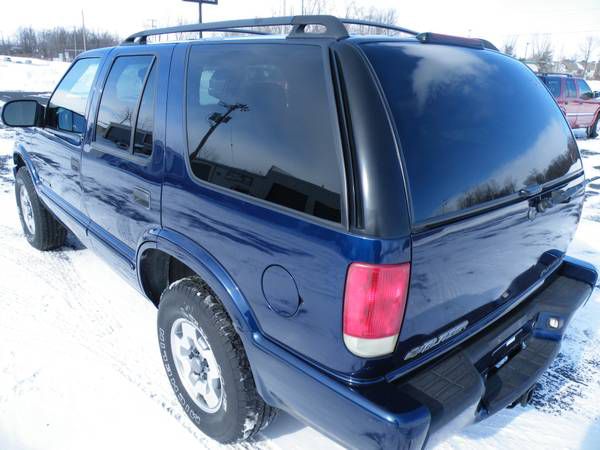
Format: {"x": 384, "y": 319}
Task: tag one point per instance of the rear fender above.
{"x": 209, "y": 269}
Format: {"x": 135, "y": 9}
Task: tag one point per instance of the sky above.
{"x": 565, "y": 22}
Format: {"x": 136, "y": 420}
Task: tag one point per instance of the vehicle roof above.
{"x": 97, "y": 52}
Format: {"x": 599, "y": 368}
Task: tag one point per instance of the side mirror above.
{"x": 596, "y": 94}
{"x": 22, "y": 113}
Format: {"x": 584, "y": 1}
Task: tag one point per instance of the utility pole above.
{"x": 210, "y": 2}
{"x": 302, "y": 7}
{"x": 83, "y": 31}
{"x": 200, "y": 15}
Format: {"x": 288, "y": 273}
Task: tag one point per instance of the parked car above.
{"x": 362, "y": 231}
{"x": 7, "y": 59}
{"x": 576, "y": 99}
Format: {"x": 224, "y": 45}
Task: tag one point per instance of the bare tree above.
{"x": 543, "y": 52}
{"x": 510, "y": 46}
{"x": 27, "y": 40}
{"x": 50, "y": 42}
{"x": 316, "y": 7}
{"x": 589, "y": 45}
{"x": 386, "y": 16}
{"x": 5, "y": 44}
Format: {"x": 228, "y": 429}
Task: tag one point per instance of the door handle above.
{"x": 75, "y": 164}
{"x": 141, "y": 197}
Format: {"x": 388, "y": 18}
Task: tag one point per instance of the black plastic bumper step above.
{"x": 515, "y": 378}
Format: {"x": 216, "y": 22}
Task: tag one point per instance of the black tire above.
{"x": 48, "y": 232}
{"x": 592, "y": 132}
{"x": 242, "y": 412}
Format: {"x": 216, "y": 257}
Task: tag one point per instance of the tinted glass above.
{"x": 474, "y": 125}
{"x": 571, "y": 90}
{"x": 66, "y": 109}
{"x": 120, "y": 99}
{"x": 584, "y": 90}
{"x": 144, "y": 129}
{"x": 259, "y": 123}
{"x": 553, "y": 85}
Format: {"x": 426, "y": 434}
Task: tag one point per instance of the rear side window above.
{"x": 121, "y": 97}
{"x": 571, "y": 89}
{"x": 258, "y": 122}
{"x": 142, "y": 143}
{"x": 474, "y": 125}
{"x": 66, "y": 109}
{"x": 553, "y": 86}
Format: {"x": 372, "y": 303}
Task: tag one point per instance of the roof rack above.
{"x": 334, "y": 27}
{"x": 378, "y": 25}
{"x": 555, "y": 74}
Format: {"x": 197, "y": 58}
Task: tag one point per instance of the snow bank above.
{"x": 37, "y": 76}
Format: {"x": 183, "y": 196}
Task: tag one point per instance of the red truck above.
{"x": 578, "y": 102}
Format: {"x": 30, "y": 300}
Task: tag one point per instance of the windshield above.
{"x": 474, "y": 125}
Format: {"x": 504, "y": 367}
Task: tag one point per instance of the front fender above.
{"x": 20, "y": 153}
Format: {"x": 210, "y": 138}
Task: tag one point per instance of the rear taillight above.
{"x": 374, "y": 304}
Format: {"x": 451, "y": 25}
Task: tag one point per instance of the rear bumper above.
{"x": 484, "y": 375}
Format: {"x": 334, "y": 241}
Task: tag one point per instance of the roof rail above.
{"x": 378, "y": 25}
{"x": 334, "y": 27}
{"x": 555, "y": 74}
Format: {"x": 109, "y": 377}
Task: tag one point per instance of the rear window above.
{"x": 474, "y": 126}
{"x": 553, "y": 85}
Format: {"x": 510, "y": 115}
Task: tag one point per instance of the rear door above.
{"x": 495, "y": 182}
{"x": 572, "y": 103}
{"x": 123, "y": 162}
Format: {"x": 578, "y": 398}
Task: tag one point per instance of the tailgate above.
{"x": 495, "y": 181}
{"x": 468, "y": 272}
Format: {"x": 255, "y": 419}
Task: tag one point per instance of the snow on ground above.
{"x": 38, "y": 75}
{"x": 79, "y": 366}
{"x": 594, "y": 84}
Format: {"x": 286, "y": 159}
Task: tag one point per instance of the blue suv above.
{"x": 362, "y": 231}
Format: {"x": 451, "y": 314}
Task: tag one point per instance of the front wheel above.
{"x": 592, "y": 131}
{"x": 41, "y": 228}
{"x": 206, "y": 363}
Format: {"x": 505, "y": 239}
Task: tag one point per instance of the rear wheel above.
{"x": 592, "y": 132}
{"x": 41, "y": 228}
{"x": 206, "y": 363}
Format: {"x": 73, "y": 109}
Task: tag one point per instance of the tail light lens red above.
{"x": 374, "y": 305}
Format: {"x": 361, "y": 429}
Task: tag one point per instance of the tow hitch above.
{"x": 525, "y": 399}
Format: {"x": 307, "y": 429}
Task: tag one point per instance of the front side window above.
{"x": 119, "y": 103}
{"x": 571, "y": 90}
{"x": 66, "y": 108}
{"x": 258, "y": 122}
{"x": 584, "y": 90}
